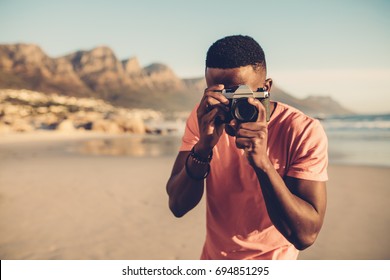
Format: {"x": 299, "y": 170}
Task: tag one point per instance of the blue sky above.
{"x": 335, "y": 48}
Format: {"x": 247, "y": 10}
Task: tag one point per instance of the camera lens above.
{"x": 243, "y": 111}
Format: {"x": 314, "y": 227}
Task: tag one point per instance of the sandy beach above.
{"x": 58, "y": 203}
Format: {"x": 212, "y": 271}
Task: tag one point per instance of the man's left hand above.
{"x": 252, "y": 137}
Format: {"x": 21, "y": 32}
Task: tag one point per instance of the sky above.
{"x": 327, "y": 48}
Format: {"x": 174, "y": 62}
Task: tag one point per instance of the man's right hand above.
{"x": 212, "y": 105}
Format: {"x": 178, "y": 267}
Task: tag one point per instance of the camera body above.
{"x": 240, "y": 108}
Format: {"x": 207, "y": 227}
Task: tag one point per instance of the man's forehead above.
{"x": 234, "y": 76}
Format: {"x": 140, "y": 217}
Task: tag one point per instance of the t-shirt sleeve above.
{"x": 310, "y": 154}
{"x": 191, "y": 132}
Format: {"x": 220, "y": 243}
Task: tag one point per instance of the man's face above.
{"x": 245, "y": 75}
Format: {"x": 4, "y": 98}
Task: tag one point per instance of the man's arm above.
{"x": 296, "y": 207}
{"x": 186, "y": 184}
{"x": 185, "y": 192}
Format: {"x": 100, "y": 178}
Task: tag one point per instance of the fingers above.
{"x": 252, "y": 143}
{"x": 243, "y": 143}
{"x": 258, "y": 131}
{"x": 248, "y": 130}
{"x": 251, "y": 134}
{"x": 262, "y": 115}
{"x": 209, "y": 118}
{"x": 247, "y": 144}
{"x": 212, "y": 98}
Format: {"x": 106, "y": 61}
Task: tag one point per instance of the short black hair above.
{"x": 235, "y": 51}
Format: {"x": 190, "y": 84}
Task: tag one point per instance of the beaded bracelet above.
{"x": 199, "y": 160}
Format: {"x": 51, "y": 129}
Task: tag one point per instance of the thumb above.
{"x": 262, "y": 116}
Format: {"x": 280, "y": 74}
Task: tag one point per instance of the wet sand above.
{"x": 57, "y": 203}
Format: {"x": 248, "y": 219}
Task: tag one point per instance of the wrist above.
{"x": 264, "y": 166}
{"x": 201, "y": 164}
{"x": 203, "y": 150}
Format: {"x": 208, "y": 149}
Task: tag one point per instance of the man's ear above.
{"x": 268, "y": 84}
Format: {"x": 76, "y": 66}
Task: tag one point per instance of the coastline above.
{"x": 59, "y": 204}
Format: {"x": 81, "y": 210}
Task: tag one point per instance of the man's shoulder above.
{"x": 291, "y": 117}
{"x": 284, "y": 110}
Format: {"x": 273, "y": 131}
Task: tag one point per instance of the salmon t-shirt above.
{"x": 238, "y": 225}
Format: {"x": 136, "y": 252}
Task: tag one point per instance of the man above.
{"x": 266, "y": 190}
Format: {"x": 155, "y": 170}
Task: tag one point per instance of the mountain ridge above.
{"x": 99, "y": 73}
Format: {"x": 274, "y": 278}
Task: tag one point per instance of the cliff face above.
{"x": 27, "y": 66}
{"x": 99, "y": 73}
{"x": 313, "y": 105}
{"x": 94, "y": 73}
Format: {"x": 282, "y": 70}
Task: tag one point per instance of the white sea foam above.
{"x": 359, "y": 139}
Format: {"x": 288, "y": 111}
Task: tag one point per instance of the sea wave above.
{"x": 356, "y": 122}
{"x": 359, "y": 139}
{"x": 358, "y": 125}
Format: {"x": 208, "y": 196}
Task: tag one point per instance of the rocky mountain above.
{"x": 100, "y": 74}
{"x": 317, "y": 106}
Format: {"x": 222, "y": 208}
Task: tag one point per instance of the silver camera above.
{"x": 240, "y": 108}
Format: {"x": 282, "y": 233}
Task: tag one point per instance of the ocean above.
{"x": 353, "y": 140}
{"x": 359, "y": 139}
